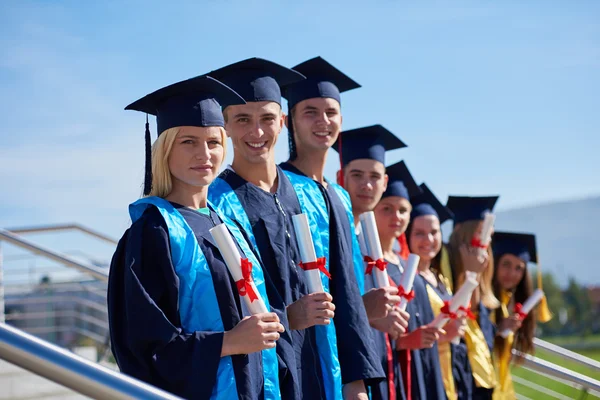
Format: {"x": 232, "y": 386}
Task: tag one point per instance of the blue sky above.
{"x": 491, "y": 97}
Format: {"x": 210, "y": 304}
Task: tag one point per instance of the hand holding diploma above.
{"x": 239, "y": 268}
{"x": 375, "y": 261}
{"x": 457, "y": 305}
{"x": 482, "y": 241}
{"x": 522, "y": 310}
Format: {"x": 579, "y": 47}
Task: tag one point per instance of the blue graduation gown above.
{"x": 270, "y": 215}
{"x": 489, "y": 333}
{"x": 356, "y": 349}
{"x": 147, "y": 338}
{"x": 426, "y": 374}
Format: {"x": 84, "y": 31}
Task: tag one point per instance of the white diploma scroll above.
{"x": 460, "y": 299}
{"x": 233, "y": 259}
{"x": 485, "y": 236}
{"x": 369, "y": 229}
{"x": 408, "y": 277}
{"x": 307, "y": 252}
{"x": 531, "y": 302}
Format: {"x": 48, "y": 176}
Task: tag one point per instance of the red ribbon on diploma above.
{"x": 407, "y": 295}
{"x": 244, "y": 285}
{"x": 476, "y": 242}
{"x": 319, "y": 264}
{"x": 467, "y": 311}
{"x": 446, "y": 310}
{"x": 519, "y": 312}
{"x": 379, "y": 264}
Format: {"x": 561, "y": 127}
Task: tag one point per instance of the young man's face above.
{"x": 317, "y": 124}
{"x": 365, "y": 180}
{"x": 254, "y": 128}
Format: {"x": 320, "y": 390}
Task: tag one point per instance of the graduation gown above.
{"x": 456, "y": 370}
{"x": 388, "y": 358}
{"x": 147, "y": 337}
{"x": 480, "y": 344}
{"x": 269, "y": 215}
{"x": 503, "y": 355}
{"x": 426, "y": 375}
{"x": 356, "y": 350}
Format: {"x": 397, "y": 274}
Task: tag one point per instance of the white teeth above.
{"x": 256, "y": 145}
{"x": 322, "y": 134}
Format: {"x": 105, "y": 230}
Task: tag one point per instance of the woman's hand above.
{"x": 473, "y": 260}
{"x": 454, "y": 328}
{"x": 252, "y": 334}
{"x": 421, "y": 338}
{"x": 512, "y": 323}
{"x": 394, "y": 324}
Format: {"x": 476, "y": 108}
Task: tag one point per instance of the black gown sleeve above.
{"x": 143, "y": 306}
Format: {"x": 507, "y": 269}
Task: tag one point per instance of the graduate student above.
{"x": 480, "y": 332}
{"x": 424, "y": 237}
{"x": 513, "y": 285}
{"x": 175, "y": 313}
{"x": 332, "y": 357}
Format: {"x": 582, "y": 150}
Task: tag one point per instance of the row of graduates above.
{"x": 176, "y": 316}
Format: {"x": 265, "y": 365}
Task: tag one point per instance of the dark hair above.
{"x": 524, "y": 336}
{"x": 291, "y": 140}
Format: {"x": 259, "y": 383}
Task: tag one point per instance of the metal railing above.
{"x": 568, "y": 354}
{"x": 98, "y": 273}
{"x": 70, "y": 370}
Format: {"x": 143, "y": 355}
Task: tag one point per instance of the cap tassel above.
{"x": 148, "y": 167}
{"x": 543, "y": 312}
{"x": 445, "y": 268}
{"x": 340, "y": 175}
{"x": 404, "y": 251}
{"x": 291, "y": 140}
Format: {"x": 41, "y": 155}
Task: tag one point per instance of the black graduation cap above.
{"x": 470, "y": 208}
{"x": 322, "y": 80}
{"x": 368, "y": 142}
{"x": 193, "y": 102}
{"x": 427, "y": 203}
{"x": 521, "y": 245}
{"x": 400, "y": 182}
{"x": 256, "y": 79}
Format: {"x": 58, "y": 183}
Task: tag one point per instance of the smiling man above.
{"x": 258, "y": 195}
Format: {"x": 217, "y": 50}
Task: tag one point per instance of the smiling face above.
{"x": 510, "y": 270}
{"x": 365, "y": 180}
{"x": 392, "y": 215}
{"x": 254, "y": 128}
{"x": 196, "y": 156}
{"x": 317, "y": 124}
{"x": 425, "y": 238}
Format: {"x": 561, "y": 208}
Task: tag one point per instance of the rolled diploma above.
{"x": 531, "y": 302}
{"x": 369, "y": 229}
{"x": 486, "y": 231}
{"x": 461, "y": 298}
{"x": 408, "y": 277}
{"x": 307, "y": 251}
{"x": 233, "y": 260}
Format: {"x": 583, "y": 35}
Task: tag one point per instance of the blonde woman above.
{"x": 176, "y": 319}
{"x": 479, "y": 336}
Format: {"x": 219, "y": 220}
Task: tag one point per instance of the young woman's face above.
{"x": 196, "y": 156}
{"x": 425, "y": 237}
{"x": 510, "y": 270}
{"x": 392, "y": 215}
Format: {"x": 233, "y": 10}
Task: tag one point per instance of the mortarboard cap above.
{"x": 256, "y": 79}
{"x": 427, "y": 203}
{"x": 322, "y": 80}
{"x": 400, "y": 182}
{"x": 521, "y": 245}
{"x": 193, "y": 102}
{"x": 470, "y": 208}
{"x": 370, "y": 142}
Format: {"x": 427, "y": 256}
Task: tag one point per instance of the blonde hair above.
{"x": 162, "y": 183}
{"x": 462, "y": 234}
